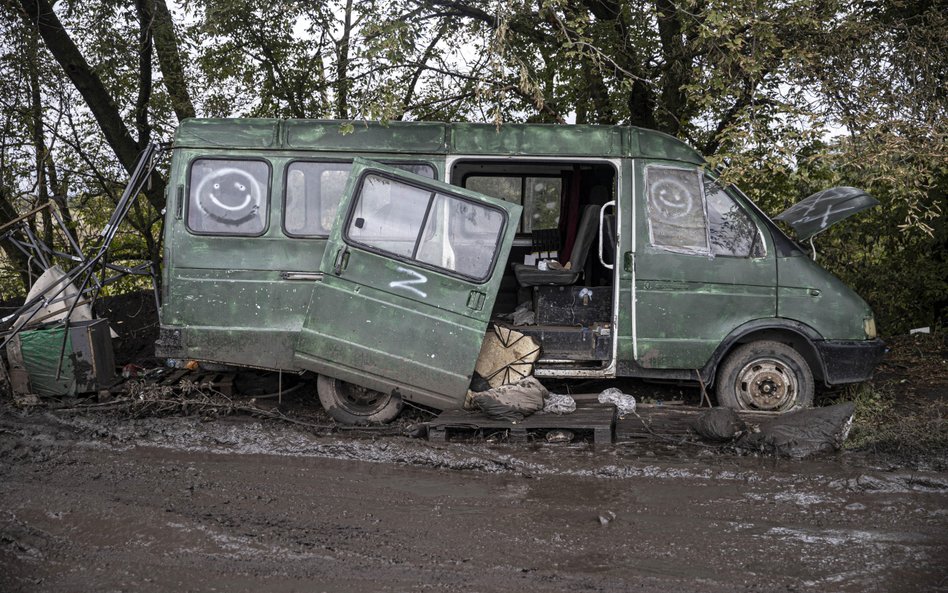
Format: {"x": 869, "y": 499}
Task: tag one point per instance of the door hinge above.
{"x": 342, "y": 260}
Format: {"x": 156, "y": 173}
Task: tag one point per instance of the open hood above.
{"x": 824, "y": 209}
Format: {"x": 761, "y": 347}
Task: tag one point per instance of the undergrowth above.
{"x": 884, "y": 424}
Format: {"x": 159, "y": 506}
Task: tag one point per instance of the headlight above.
{"x": 870, "y": 327}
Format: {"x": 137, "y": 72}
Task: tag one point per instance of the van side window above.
{"x": 539, "y": 196}
{"x": 228, "y": 196}
{"x": 733, "y": 232}
{"x": 314, "y": 190}
{"x": 676, "y": 211}
{"x": 428, "y": 227}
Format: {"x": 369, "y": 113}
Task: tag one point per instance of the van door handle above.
{"x": 602, "y": 218}
{"x": 475, "y": 300}
{"x": 342, "y": 261}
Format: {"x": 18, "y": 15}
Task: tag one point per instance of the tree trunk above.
{"x": 676, "y": 71}
{"x": 39, "y": 143}
{"x": 342, "y": 65}
{"x": 41, "y": 16}
{"x": 169, "y": 59}
{"x": 144, "y": 71}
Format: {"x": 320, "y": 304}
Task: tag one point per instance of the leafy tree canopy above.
{"x": 791, "y": 96}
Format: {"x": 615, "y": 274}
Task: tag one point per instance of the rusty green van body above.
{"x": 387, "y": 317}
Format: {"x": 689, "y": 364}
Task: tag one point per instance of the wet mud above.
{"x": 99, "y": 503}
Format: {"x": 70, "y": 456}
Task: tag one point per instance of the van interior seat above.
{"x": 533, "y": 276}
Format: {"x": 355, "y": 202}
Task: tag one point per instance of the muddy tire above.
{"x": 352, "y": 404}
{"x": 766, "y": 376}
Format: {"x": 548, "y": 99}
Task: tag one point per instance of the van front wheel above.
{"x": 352, "y": 404}
{"x": 767, "y": 376}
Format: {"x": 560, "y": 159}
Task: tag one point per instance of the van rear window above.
{"x": 228, "y": 196}
{"x": 429, "y": 227}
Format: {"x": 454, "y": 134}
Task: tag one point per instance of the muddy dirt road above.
{"x": 96, "y": 504}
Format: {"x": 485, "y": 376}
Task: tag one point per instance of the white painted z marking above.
{"x": 416, "y": 278}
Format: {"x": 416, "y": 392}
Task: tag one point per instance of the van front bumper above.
{"x": 849, "y": 361}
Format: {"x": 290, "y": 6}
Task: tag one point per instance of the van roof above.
{"x": 432, "y": 138}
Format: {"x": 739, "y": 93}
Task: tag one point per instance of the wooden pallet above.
{"x": 595, "y": 420}
{"x": 651, "y": 421}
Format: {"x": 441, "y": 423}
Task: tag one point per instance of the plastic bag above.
{"x": 559, "y": 404}
{"x": 623, "y": 402}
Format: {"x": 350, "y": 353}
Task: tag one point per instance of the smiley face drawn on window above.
{"x": 230, "y": 195}
{"x": 671, "y": 199}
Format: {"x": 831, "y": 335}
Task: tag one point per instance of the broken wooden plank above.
{"x": 597, "y": 421}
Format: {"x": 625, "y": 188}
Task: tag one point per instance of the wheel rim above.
{"x": 767, "y": 384}
{"x": 360, "y": 400}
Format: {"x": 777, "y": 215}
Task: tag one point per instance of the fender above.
{"x": 804, "y": 339}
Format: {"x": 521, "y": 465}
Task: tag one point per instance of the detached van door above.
{"x": 410, "y": 275}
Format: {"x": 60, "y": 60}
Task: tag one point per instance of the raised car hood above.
{"x": 824, "y": 209}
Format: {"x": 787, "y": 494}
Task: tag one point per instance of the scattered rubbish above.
{"x": 507, "y": 356}
{"x": 497, "y": 437}
{"x": 560, "y": 436}
{"x": 606, "y": 517}
{"x": 47, "y": 309}
{"x": 558, "y": 403}
{"x": 513, "y": 401}
{"x": 67, "y": 298}
{"x": 624, "y": 403}
{"x": 523, "y": 314}
{"x": 61, "y": 360}
{"x": 719, "y": 424}
{"x": 177, "y": 363}
{"x": 920, "y": 330}
{"x": 26, "y": 400}
{"x": 803, "y": 432}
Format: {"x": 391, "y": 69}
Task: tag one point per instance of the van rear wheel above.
{"x": 765, "y": 375}
{"x": 351, "y": 404}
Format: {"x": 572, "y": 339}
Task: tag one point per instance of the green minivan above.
{"x": 376, "y": 256}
